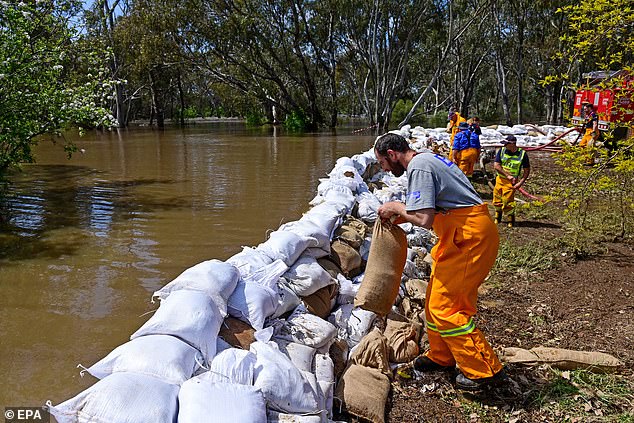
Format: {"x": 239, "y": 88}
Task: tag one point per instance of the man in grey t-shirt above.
{"x": 440, "y": 196}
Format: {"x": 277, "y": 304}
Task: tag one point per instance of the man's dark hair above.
{"x": 391, "y": 141}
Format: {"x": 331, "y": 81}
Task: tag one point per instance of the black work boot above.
{"x": 512, "y": 221}
{"x": 498, "y": 216}
{"x": 466, "y": 384}
{"x": 422, "y": 363}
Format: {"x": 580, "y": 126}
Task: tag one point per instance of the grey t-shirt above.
{"x": 434, "y": 182}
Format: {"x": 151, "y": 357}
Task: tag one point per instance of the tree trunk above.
{"x": 182, "y": 100}
{"x": 501, "y": 77}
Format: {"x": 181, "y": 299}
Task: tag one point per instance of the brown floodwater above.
{"x": 84, "y": 242}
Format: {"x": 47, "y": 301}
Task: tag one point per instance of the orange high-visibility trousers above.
{"x": 465, "y": 253}
{"x": 588, "y": 142}
{"x": 504, "y": 196}
{"x": 466, "y": 159}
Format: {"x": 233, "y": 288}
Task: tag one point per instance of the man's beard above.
{"x": 397, "y": 168}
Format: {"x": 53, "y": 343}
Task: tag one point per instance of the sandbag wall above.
{"x": 272, "y": 333}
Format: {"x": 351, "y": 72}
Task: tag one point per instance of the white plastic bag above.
{"x": 233, "y": 365}
{"x": 252, "y": 303}
{"x": 284, "y": 386}
{"x": 202, "y": 400}
{"x": 213, "y": 277}
{"x": 121, "y": 398}
{"x": 286, "y": 246}
{"x": 162, "y": 356}
{"x": 307, "y": 329}
{"x": 306, "y": 276}
{"x": 352, "y": 323}
{"x": 325, "y": 374}
{"x": 189, "y": 315}
{"x": 301, "y": 355}
{"x": 249, "y": 260}
{"x": 368, "y": 206}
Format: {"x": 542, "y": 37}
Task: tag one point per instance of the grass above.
{"x": 586, "y": 396}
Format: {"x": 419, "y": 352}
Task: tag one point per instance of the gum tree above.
{"x": 48, "y": 82}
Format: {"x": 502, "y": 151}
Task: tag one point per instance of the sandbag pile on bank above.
{"x": 310, "y": 319}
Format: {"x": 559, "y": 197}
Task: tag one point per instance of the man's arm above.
{"x": 423, "y": 217}
{"x": 498, "y": 166}
{"x": 525, "y": 172}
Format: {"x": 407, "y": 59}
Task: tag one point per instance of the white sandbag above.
{"x": 306, "y": 276}
{"x": 364, "y": 249}
{"x": 233, "y": 365}
{"x": 411, "y": 271}
{"x": 346, "y": 176}
{"x": 347, "y": 289}
{"x": 340, "y": 199}
{"x": 277, "y": 417}
{"x": 268, "y": 275}
{"x": 189, "y": 315}
{"x": 249, "y": 260}
{"x": 310, "y": 229}
{"x": 285, "y": 387}
{"x": 252, "y": 303}
{"x": 206, "y": 401}
{"x": 221, "y": 345}
{"x": 287, "y": 299}
{"x": 368, "y": 206}
{"x": 352, "y": 323}
{"x": 286, "y": 246}
{"x": 213, "y": 277}
{"x": 162, "y": 356}
{"x": 325, "y": 374}
{"x": 121, "y": 398}
{"x": 307, "y": 329}
{"x": 301, "y": 355}
{"x": 363, "y": 160}
{"x": 328, "y": 215}
{"x": 327, "y": 185}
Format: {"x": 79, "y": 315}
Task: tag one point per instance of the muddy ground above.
{"x": 581, "y": 305}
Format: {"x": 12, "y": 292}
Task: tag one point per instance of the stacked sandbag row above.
{"x": 527, "y": 135}
{"x": 266, "y": 334}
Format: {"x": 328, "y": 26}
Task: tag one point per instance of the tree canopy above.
{"x": 49, "y": 79}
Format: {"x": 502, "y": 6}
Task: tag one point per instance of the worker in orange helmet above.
{"x": 510, "y": 162}
{"x": 452, "y": 128}
{"x": 439, "y": 196}
{"x": 591, "y": 133}
{"x": 466, "y": 149}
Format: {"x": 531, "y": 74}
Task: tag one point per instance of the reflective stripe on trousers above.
{"x": 466, "y": 250}
{"x": 504, "y": 196}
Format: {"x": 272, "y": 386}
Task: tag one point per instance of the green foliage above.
{"x": 599, "y": 198}
{"x": 439, "y": 120}
{"x": 255, "y": 118}
{"x": 40, "y": 90}
{"x": 401, "y": 108}
{"x": 296, "y": 121}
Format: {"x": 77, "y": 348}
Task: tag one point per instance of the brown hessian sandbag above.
{"x": 347, "y": 258}
{"x": 388, "y": 253}
{"x": 363, "y": 392}
{"x": 402, "y": 340}
{"x": 237, "y": 333}
{"x": 372, "y": 352}
{"x": 561, "y": 359}
{"x": 352, "y": 232}
{"x": 319, "y": 303}
{"x": 329, "y": 266}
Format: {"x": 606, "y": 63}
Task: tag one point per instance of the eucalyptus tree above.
{"x": 48, "y": 80}
{"x": 277, "y": 53}
{"x": 377, "y": 40}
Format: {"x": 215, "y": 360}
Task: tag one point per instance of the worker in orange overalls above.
{"x": 466, "y": 149}
{"x": 439, "y": 196}
{"x": 452, "y": 127}
{"x": 591, "y": 133}
{"x": 510, "y": 162}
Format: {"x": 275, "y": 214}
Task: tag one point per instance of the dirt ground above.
{"x": 581, "y": 305}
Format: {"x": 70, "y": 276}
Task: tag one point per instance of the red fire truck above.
{"x": 612, "y": 94}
